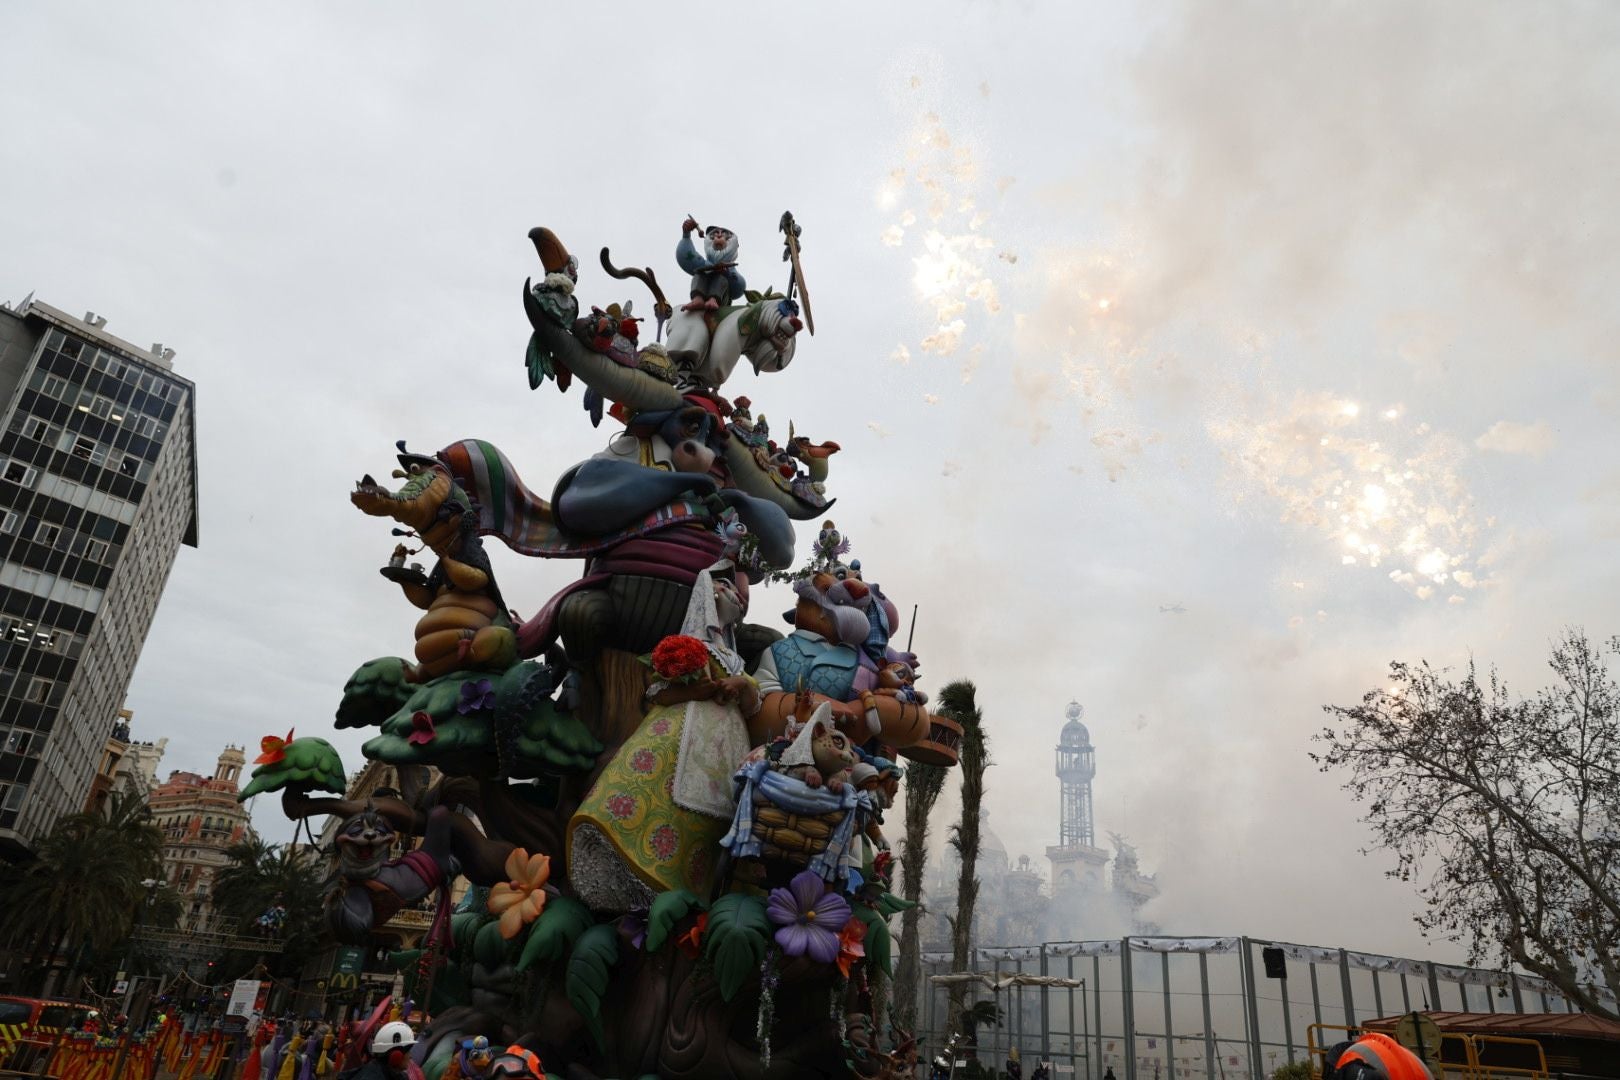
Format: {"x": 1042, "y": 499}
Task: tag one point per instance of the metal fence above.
{"x": 1170, "y": 1008}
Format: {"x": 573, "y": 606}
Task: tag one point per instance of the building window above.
{"x": 18, "y": 473}
{"x": 39, "y": 690}
{"x": 83, "y": 447}
{"x": 18, "y": 742}
{"x": 54, "y": 386}
{"x": 96, "y": 550}
{"x": 47, "y": 534}
{"x": 8, "y": 521}
{"x": 130, "y": 465}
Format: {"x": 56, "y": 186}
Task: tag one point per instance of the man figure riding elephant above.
{"x": 715, "y": 280}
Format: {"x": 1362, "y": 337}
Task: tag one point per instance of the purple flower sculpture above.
{"x": 808, "y": 917}
{"x": 634, "y": 923}
{"x": 475, "y": 696}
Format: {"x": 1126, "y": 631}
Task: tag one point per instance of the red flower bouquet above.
{"x": 680, "y": 659}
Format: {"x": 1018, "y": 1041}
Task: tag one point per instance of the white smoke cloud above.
{"x": 1509, "y": 437}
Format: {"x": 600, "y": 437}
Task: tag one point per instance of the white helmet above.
{"x": 395, "y": 1035}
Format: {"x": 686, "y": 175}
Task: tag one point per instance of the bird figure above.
{"x": 612, "y": 333}
{"x": 553, "y": 300}
{"x": 801, "y": 447}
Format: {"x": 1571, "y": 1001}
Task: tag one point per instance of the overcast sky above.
{"x": 1300, "y": 317}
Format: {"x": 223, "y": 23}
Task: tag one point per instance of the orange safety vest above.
{"x": 1383, "y": 1053}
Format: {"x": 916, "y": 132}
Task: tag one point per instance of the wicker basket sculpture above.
{"x": 794, "y": 838}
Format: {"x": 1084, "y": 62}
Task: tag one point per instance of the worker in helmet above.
{"x": 516, "y": 1063}
{"x": 1373, "y": 1056}
{"x": 390, "y": 1054}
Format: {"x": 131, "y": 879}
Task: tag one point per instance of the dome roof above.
{"x": 1074, "y": 732}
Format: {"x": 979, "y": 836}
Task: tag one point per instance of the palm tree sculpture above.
{"x": 959, "y": 701}
{"x": 923, "y": 785}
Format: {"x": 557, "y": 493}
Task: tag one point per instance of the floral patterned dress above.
{"x": 654, "y": 819}
{"x": 660, "y": 835}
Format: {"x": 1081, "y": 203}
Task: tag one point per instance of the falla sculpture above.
{"x": 670, "y": 816}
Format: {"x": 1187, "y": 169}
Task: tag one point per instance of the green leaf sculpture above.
{"x": 560, "y": 924}
{"x": 439, "y": 1060}
{"x": 489, "y": 948}
{"x": 373, "y": 693}
{"x": 307, "y": 764}
{"x": 595, "y": 953}
{"x": 735, "y": 940}
{"x": 889, "y": 903}
{"x": 449, "y": 984}
{"x": 521, "y": 733}
{"x": 668, "y": 908}
{"x": 464, "y": 927}
{"x": 878, "y": 938}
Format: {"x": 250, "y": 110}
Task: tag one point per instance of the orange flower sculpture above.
{"x": 520, "y": 900}
{"x": 851, "y": 945}
{"x": 272, "y": 749}
{"x": 691, "y": 942}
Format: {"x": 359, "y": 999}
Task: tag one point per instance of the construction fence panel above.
{"x": 1165, "y": 1008}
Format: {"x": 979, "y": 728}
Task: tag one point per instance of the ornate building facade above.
{"x": 200, "y": 819}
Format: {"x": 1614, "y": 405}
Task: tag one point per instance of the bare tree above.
{"x": 959, "y": 701}
{"x": 1505, "y": 812}
{"x": 923, "y": 785}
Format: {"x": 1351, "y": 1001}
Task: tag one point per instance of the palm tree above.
{"x": 84, "y": 885}
{"x": 959, "y": 700}
{"x": 262, "y": 876}
{"x": 240, "y": 885}
{"x": 923, "y": 785}
{"x": 980, "y": 1014}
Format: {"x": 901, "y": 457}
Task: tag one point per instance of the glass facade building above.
{"x": 98, "y": 490}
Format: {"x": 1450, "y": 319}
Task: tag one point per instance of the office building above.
{"x": 98, "y": 490}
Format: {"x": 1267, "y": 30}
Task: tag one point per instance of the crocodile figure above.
{"x": 467, "y": 626}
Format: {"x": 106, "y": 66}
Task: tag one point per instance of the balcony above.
{"x": 411, "y": 919}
